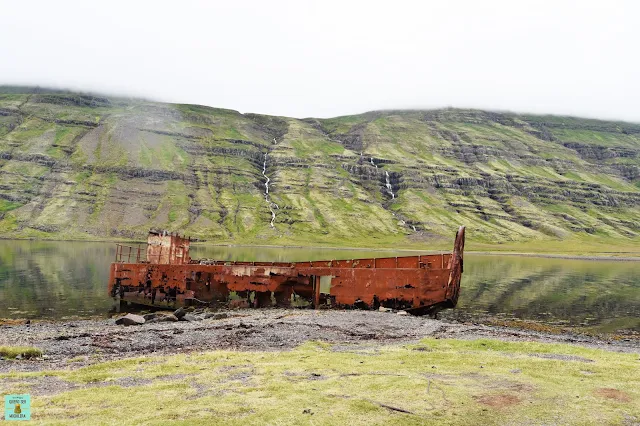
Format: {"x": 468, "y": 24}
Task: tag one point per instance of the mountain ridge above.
{"x": 88, "y": 166}
{"x": 30, "y": 89}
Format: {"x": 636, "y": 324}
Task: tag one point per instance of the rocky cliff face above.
{"x": 79, "y": 166}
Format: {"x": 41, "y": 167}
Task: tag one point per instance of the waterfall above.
{"x": 264, "y": 173}
{"x": 386, "y": 173}
{"x": 266, "y": 191}
{"x": 388, "y": 185}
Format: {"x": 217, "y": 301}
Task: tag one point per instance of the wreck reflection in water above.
{"x": 68, "y": 279}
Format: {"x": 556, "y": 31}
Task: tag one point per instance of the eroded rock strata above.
{"x": 85, "y": 166}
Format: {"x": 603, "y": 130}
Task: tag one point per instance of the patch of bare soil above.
{"x": 562, "y": 357}
{"x": 498, "y": 400}
{"x": 612, "y": 393}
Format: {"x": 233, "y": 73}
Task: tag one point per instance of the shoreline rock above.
{"x": 130, "y": 319}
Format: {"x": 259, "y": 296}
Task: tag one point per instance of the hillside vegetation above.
{"x": 76, "y": 166}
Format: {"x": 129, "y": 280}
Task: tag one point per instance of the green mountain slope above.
{"x": 91, "y": 167}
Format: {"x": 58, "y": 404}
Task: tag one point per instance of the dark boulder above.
{"x": 130, "y": 319}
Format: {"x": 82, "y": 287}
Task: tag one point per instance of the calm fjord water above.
{"x": 58, "y": 280}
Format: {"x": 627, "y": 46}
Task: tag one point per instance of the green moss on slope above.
{"x": 92, "y": 168}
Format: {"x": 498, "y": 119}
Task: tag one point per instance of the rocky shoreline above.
{"x": 84, "y": 342}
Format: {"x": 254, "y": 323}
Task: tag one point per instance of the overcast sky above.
{"x": 328, "y": 58}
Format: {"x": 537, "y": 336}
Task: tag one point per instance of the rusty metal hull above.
{"x": 418, "y": 284}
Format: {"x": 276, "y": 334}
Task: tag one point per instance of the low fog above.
{"x": 330, "y": 58}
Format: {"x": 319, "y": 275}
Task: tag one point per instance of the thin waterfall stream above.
{"x": 387, "y": 178}
{"x": 388, "y": 185}
{"x": 266, "y": 191}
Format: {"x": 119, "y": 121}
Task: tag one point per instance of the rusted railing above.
{"x": 130, "y": 254}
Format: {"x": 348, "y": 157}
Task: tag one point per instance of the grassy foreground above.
{"x": 434, "y": 381}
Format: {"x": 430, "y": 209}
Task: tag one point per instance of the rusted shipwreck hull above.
{"x": 164, "y": 275}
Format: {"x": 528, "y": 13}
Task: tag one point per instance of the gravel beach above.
{"x": 90, "y": 341}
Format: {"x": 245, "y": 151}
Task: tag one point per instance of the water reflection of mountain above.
{"x": 58, "y": 279}
{"x": 53, "y": 279}
{"x": 557, "y": 290}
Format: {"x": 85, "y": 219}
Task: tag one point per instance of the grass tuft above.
{"x": 13, "y": 352}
